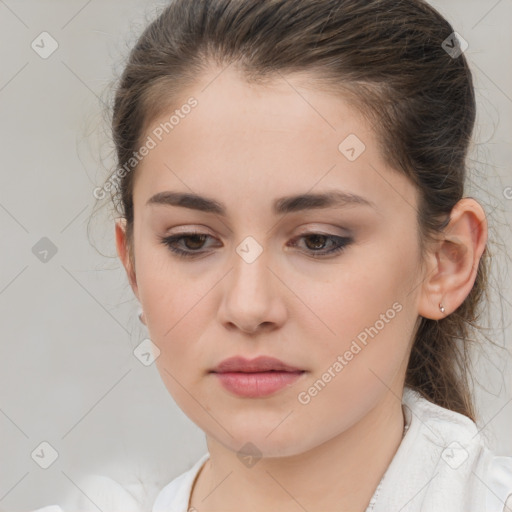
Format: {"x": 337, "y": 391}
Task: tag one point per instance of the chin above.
{"x": 254, "y": 439}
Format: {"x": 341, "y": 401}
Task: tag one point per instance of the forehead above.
{"x": 283, "y": 135}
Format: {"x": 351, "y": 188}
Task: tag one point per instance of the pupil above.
{"x": 196, "y": 238}
{"x": 317, "y": 237}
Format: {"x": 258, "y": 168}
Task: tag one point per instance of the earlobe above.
{"x": 455, "y": 260}
{"x": 124, "y": 253}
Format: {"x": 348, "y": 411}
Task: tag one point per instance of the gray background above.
{"x": 68, "y": 375}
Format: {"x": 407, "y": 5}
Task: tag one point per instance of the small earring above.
{"x": 441, "y": 307}
{"x": 141, "y": 317}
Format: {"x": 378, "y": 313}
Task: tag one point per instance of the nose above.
{"x": 252, "y": 297}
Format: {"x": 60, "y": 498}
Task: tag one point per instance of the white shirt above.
{"x": 441, "y": 465}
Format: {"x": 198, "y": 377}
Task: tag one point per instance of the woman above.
{"x": 293, "y": 222}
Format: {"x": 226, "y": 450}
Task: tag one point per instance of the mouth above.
{"x": 257, "y": 365}
{"x": 255, "y": 378}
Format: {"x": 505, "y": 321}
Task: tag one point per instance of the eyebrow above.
{"x": 283, "y": 205}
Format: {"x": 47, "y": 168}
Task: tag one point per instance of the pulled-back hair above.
{"x": 387, "y": 57}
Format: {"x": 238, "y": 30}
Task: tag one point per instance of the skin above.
{"x": 246, "y": 146}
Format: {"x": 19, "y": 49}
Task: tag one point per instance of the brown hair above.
{"x": 388, "y": 57}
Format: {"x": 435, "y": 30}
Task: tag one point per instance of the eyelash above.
{"x": 169, "y": 241}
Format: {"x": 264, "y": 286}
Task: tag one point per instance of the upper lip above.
{"x": 259, "y": 364}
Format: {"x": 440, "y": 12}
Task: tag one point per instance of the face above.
{"x": 330, "y": 289}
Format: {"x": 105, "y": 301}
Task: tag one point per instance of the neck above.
{"x": 340, "y": 474}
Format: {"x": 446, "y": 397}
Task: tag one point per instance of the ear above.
{"x": 453, "y": 261}
{"x": 124, "y": 253}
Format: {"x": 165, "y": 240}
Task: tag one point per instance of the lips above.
{"x": 259, "y": 364}
{"x": 255, "y": 378}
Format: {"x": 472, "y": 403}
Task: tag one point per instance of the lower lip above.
{"x": 253, "y": 385}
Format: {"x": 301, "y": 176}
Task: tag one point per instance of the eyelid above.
{"x": 318, "y": 230}
{"x": 307, "y": 229}
{"x": 198, "y": 229}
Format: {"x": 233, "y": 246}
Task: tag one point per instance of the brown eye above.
{"x": 195, "y": 241}
{"x": 192, "y": 244}
{"x": 315, "y": 243}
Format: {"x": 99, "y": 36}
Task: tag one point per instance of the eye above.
{"x": 194, "y": 242}
{"x": 318, "y": 241}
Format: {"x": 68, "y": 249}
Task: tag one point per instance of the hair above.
{"x": 388, "y": 58}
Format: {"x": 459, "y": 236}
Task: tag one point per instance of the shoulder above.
{"x": 100, "y": 492}
{"x": 498, "y": 479}
{"x": 95, "y": 492}
{"x": 459, "y": 453}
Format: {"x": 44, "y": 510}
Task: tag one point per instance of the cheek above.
{"x": 357, "y": 364}
{"x": 365, "y": 312}
{"x": 175, "y": 309}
